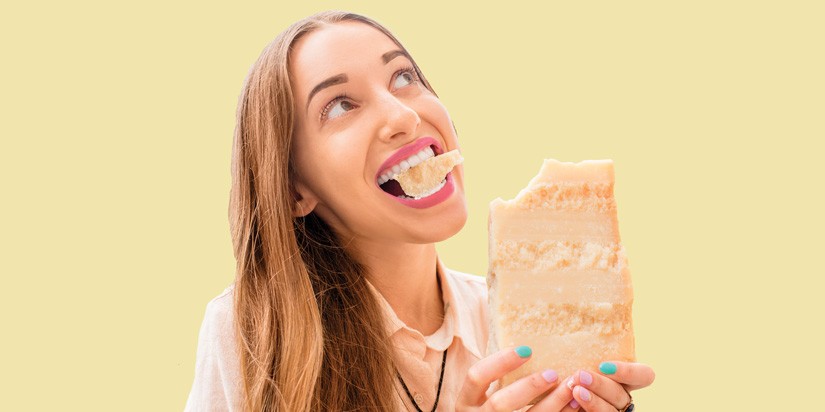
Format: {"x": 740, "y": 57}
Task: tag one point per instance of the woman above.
{"x": 340, "y": 302}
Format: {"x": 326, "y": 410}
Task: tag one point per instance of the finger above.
{"x": 590, "y": 402}
{"x": 603, "y": 387}
{"x": 519, "y": 393}
{"x": 573, "y": 406}
{"x": 634, "y": 375}
{"x": 556, "y": 401}
{"x": 484, "y": 372}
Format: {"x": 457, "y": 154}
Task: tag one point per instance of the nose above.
{"x": 399, "y": 118}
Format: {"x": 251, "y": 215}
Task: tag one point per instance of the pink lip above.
{"x": 408, "y": 151}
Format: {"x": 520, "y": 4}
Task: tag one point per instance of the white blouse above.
{"x": 217, "y": 384}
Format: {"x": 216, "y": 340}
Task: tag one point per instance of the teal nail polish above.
{"x": 524, "y": 351}
{"x": 607, "y": 368}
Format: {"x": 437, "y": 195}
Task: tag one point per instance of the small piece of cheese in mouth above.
{"x": 423, "y": 179}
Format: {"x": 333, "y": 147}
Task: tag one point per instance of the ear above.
{"x": 304, "y": 200}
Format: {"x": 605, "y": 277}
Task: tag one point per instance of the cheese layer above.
{"x": 584, "y": 287}
{"x": 545, "y": 255}
{"x": 593, "y": 197}
{"x": 558, "y": 225}
{"x": 564, "y": 319}
{"x": 567, "y": 354}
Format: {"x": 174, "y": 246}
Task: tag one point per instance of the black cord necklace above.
{"x": 440, "y": 381}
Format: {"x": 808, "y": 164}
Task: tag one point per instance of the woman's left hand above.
{"x": 608, "y": 389}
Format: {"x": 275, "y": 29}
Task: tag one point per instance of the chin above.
{"x": 447, "y": 223}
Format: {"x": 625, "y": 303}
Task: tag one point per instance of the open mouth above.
{"x": 388, "y": 183}
{"x": 394, "y": 188}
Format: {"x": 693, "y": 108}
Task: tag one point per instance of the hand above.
{"x": 517, "y": 395}
{"x": 608, "y": 389}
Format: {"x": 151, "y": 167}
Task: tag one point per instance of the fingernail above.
{"x": 550, "y": 375}
{"x": 524, "y": 351}
{"x": 570, "y": 383}
{"x": 574, "y": 404}
{"x": 585, "y": 378}
{"x": 584, "y": 394}
{"x": 607, "y": 368}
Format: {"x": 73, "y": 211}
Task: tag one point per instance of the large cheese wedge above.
{"x": 425, "y": 178}
{"x": 558, "y": 278}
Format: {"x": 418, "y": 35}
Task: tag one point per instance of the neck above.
{"x": 405, "y": 274}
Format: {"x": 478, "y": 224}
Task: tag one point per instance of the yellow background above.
{"x": 116, "y": 132}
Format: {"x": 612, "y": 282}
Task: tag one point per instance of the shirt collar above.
{"x": 460, "y": 307}
{"x": 458, "y": 319}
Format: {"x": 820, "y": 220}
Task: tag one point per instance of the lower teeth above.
{"x": 431, "y": 192}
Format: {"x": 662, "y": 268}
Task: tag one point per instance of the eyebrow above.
{"x": 337, "y": 79}
{"x": 342, "y": 78}
{"x": 393, "y": 54}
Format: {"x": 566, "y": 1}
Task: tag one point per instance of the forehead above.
{"x": 334, "y": 49}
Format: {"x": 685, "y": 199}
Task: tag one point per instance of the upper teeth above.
{"x": 405, "y": 164}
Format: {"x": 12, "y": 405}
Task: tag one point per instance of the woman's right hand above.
{"x": 517, "y": 395}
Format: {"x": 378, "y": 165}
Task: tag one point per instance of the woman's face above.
{"x": 358, "y": 102}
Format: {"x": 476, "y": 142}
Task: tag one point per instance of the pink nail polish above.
{"x": 585, "y": 378}
{"x": 584, "y": 394}
{"x": 574, "y": 404}
{"x": 550, "y": 375}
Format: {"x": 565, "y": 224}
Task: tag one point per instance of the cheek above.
{"x": 304, "y": 154}
{"x": 344, "y": 155}
{"x": 440, "y": 118}
{"x": 335, "y": 168}
{"x": 330, "y": 152}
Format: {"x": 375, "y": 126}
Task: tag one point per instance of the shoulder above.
{"x": 217, "y": 334}
{"x": 219, "y": 309}
{"x": 217, "y": 326}
{"x": 217, "y": 370}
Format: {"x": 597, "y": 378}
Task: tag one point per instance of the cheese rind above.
{"x": 558, "y": 278}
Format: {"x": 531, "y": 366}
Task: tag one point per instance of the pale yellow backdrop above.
{"x": 116, "y": 128}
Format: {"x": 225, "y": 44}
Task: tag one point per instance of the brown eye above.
{"x": 404, "y": 78}
{"x": 337, "y": 108}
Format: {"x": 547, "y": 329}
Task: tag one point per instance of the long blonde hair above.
{"x": 310, "y": 334}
